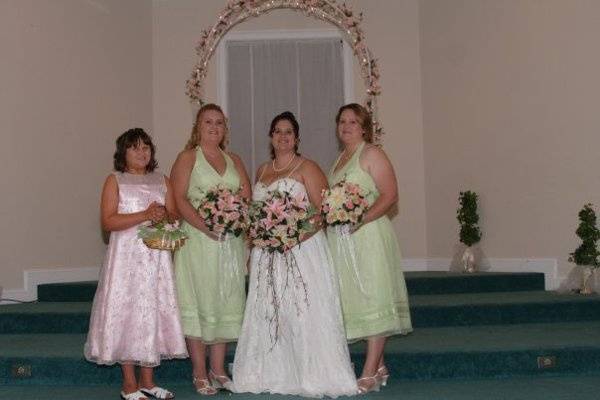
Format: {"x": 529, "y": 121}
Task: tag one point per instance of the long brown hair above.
{"x": 194, "y": 140}
{"x": 131, "y": 138}
{"x": 364, "y": 117}
{"x": 287, "y": 116}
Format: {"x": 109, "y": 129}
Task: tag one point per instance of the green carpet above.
{"x": 465, "y": 309}
{"x": 417, "y": 283}
{"x": 538, "y": 388}
{"x": 483, "y": 333}
{"x": 466, "y": 352}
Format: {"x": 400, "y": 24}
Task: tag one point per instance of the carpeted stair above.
{"x": 468, "y": 328}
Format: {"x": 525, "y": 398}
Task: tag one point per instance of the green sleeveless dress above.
{"x": 210, "y": 275}
{"x": 373, "y": 290}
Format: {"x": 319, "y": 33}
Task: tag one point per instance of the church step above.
{"x": 443, "y": 282}
{"x": 417, "y": 283}
{"x": 426, "y": 311}
{"x": 528, "y": 387}
{"x": 428, "y": 353}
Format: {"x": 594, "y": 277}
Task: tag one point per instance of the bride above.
{"x": 308, "y": 355}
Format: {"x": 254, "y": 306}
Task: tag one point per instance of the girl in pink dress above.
{"x": 135, "y": 320}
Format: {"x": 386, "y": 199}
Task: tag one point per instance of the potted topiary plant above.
{"x": 587, "y": 254}
{"x": 470, "y": 233}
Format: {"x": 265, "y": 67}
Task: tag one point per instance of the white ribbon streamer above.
{"x": 346, "y": 247}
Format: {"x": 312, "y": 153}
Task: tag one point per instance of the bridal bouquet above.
{"x": 163, "y": 235}
{"x": 279, "y": 221}
{"x": 224, "y": 212}
{"x": 345, "y": 203}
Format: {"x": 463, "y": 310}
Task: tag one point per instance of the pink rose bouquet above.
{"x": 345, "y": 203}
{"x": 224, "y": 212}
{"x": 279, "y": 222}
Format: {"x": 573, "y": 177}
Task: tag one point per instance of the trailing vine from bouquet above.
{"x": 330, "y": 11}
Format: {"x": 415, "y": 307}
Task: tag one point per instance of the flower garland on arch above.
{"x": 330, "y": 11}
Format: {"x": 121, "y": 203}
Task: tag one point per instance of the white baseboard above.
{"x": 547, "y": 266}
{"x": 34, "y": 277}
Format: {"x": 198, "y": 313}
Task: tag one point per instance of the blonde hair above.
{"x": 366, "y": 122}
{"x": 194, "y": 140}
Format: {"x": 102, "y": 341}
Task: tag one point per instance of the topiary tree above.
{"x": 468, "y": 218}
{"x": 587, "y": 254}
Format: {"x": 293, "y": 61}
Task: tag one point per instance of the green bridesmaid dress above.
{"x": 372, "y": 289}
{"x": 210, "y": 275}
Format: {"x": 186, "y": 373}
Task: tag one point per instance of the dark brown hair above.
{"x": 195, "y": 135}
{"x": 287, "y": 116}
{"x": 364, "y": 117}
{"x": 131, "y": 138}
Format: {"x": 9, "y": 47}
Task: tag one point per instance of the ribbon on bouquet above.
{"x": 276, "y": 294}
{"x": 347, "y": 248}
{"x": 229, "y": 268}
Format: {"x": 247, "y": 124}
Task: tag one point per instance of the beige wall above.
{"x": 510, "y": 99}
{"x": 392, "y": 32}
{"x": 74, "y": 75}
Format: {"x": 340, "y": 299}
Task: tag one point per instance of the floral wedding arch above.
{"x": 330, "y": 11}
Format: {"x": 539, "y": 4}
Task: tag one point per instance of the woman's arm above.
{"x": 180, "y": 180}
{"x": 172, "y": 213}
{"x": 260, "y": 171}
{"x": 315, "y": 182}
{"x": 376, "y": 163}
{"x": 109, "y": 209}
{"x": 245, "y": 187}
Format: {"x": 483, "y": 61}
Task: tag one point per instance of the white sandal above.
{"x": 137, "y": 395}
{"x": 219, "y": 381}
{"x": 158, "y": 393}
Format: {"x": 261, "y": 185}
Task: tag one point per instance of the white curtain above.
{"x": 267, "y": 77}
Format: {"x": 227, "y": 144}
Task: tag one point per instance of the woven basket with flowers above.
{"x": 163, "y": 235}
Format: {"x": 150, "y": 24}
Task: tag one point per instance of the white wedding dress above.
{"x": 293, "y": 339}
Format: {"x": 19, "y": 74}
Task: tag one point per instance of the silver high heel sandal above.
{"x": 383, "y": 374}
{"x": 219, "y": 381}
{"x": 368, "y": 384}
{"x": 205, "y": 389}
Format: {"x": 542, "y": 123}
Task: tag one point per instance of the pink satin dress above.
{"x": 135, "y": 318}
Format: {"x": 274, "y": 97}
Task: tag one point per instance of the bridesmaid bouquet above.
{"x": 163, "y": 235}
{"x": 279, "y": 221}
{"x": 224, "y": 212}
{"x": 344, "y": 204}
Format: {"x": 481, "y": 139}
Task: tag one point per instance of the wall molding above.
{"x": 548, "y": 266}
{"x": 34, "y": 277}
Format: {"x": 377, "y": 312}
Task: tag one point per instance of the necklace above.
{"x": 286, "y": 165}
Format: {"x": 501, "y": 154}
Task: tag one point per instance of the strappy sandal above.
{"x": 219, "y": 381}
{"x": 368, "y": 384}
{"x": 205, "y": 389}
{"x": 158, "y": 393}
{"x": 383, "y": 374}
{"x": 137, "y": 395}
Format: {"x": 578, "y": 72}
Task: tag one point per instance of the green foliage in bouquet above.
{"x": 587, "y": 253}
{"x": 468, "y": 218}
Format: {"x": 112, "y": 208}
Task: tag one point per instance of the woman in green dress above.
{"x": 210, "y": 315}
{"x": 372, "y": 289}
